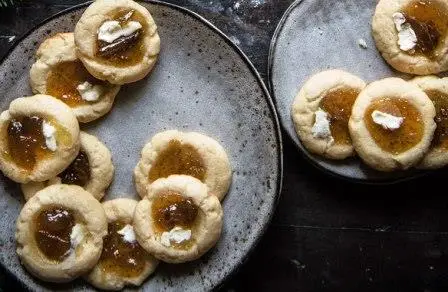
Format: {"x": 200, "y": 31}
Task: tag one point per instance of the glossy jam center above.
{"x": 171, "y": 210}
{"x": 178, "y": 158}
{"x": 63, "y": 80}
{"x": 127, "y": 259}
{"x": 52, "y": 232}
{"x": 126, "y": 50}
{"x": 78, "y": 172}
{"x": 338, "y": 104}
{"x": 26, "y": 143}
{"x": 440, "y": 101}
{"x": 400, "y": 140}
{"x": 429, "y": 20}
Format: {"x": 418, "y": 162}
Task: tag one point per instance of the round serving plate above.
{"x": 202, "y": 82}
{"x": 317, "y": 35}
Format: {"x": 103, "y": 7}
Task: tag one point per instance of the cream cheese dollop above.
{"x": 49, "y": 133}
{"x": 89, "y": 92}
{"x": 407, "y": 39}
{"x": 77, "y": 235}
{"x": 177, "y": 234}
{"x": 321, "y": 127}
{"x": 111, "y": 30}
{"x": 387, "y": 121}
{"x": 128, "y": 233}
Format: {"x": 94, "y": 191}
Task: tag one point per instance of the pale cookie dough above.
{"x": 66, "y": 137}
{"x": 312, "y": 124}
{"x": 59, "y": 50}
{"x": 204, "y": 234}
{"x": 101, "y": 169}
{"x": 437, "y": 155}
{"x": 121, "y": 210}
{"x": 216, "y": 165}
{"x": 364, "y": 143}
{"x": 397, "y": 47}
{"x": 86, "y": 35}
{"x": 86, "y": 245}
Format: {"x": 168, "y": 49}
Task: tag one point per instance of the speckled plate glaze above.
{"x": 202, "y": 82}
{"x": 316, "y": 35}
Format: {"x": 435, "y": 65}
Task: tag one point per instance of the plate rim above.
{"x": 256, "y": 74}
{"x": 298, "y": 145}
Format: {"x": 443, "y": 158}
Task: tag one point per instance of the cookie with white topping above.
{"x": 179, "y": 220}
{"x": 321, "y": 111}
{"x": 60, "y": 233}
{"x": 412, "y": 35}
{"x": 40, "y": 138}
{"x": 123, "y": 261}
{"x": 392, "y": 124}
{"x": 117, "y": 40}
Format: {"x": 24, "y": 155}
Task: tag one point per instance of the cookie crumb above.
{"x": 362, "y": 43}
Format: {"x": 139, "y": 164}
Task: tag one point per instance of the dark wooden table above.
{"x": 326, "y": 235}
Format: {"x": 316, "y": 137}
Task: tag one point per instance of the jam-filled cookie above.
{"x": 59, "y": 73}
{"x": 412, "y": 35}
{"x": 123, "y": 261}
{"x": 194, "y": 154}
{"x": 60, "y": 233}
{"x": 117, "y": 40}
{"x": 40, "y": 138}
{"x": 392, "y": 124}
{"x": 178, "y": 221}
{"x": 92, "y": 169}
{"x": 437, "y": 90}
{"x": 321, "y": 111}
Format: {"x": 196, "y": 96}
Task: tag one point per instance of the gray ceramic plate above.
{"x": 316, "y": 35}
{"x": 202, "y": 82}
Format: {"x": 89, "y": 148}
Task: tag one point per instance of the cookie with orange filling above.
{"x": 40, "y": 138}
{"x": 392, "y": 124}
{"x": 412, "y": 35}
{"x": 117, "y": 40}
{"x": 188, "y": 153}
{"x": 321, "y": 111}
{"x": 123, "y": 261}
{"x": 437, "y": 90}
{"x": 58, "y": 72}
{"x": 178, "y": 220}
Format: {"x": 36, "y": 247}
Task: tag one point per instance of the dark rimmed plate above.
{"x": 202, "y": 82}
{"x": 316, "y": 35}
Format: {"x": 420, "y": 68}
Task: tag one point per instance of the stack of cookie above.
{"x": 391, "y": 124}
{"x": 63, "y": 231}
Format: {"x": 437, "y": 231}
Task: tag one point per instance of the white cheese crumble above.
{"x": 128, "y": 233}
{"x": 321, "y": 127}
{"x": 387, "y": 121}
{"x": 362, "y": 43}
{"x": 407, "y": 39}
{"x": 111, "y": 30}
{"x": 77, "y": 235}
{"x": 89, "y": 92}
{"x": 49, "y": 134}
{"x": 176, "y": 234}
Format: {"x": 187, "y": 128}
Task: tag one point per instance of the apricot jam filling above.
{"x": 440, "y": 101}
{"x": 338, "y": 105}
{"x": 26, "y": 142}
{"x": 125, "y": 50}
{"x": 121, "y": 257}
{"x": 63, "y": 80}
{"x": 429, "y": 20}
{"x": 78, "y": 172}
{"x": 178, "y": 158}
{"x": 53, "y": 227}
{"x": 170, "y": 210}
{"x": 399, "y": 140}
